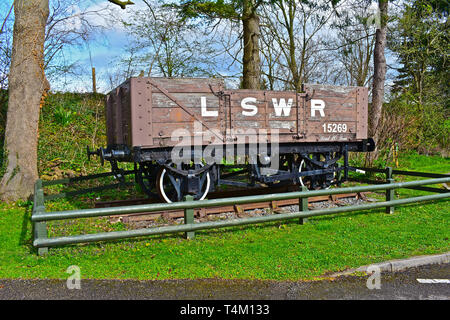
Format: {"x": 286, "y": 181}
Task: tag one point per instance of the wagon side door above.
{"x": 189, "y": 105}
{"x": 334, "y": 113}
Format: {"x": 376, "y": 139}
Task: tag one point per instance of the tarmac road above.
{"x": 399, "y": 285}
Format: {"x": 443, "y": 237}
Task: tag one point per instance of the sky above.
{"x": 104, "y": 51}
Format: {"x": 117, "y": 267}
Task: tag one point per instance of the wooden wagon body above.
{"x": 145, "y": 112}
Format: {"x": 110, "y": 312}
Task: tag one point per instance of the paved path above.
{"x": 399, "y": 285}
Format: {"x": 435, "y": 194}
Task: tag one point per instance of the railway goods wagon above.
{"x": 191, "y": 135}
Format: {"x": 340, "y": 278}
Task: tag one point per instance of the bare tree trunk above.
{"x": 379, "y": 62}
{"x": 27, "y": 84}
{"x": 251, "y": 60}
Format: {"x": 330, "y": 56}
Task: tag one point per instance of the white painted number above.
{"x": 334, "y": 127}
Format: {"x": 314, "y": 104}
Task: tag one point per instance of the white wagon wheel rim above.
{"x": 164, "y": 195}
{"x": 300, "y": 178}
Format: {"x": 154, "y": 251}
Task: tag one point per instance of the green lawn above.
{"x": 269, "y": 251}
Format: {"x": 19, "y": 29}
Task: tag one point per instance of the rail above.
{"x": 40, "y": 217}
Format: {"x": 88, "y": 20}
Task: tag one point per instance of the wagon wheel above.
{"x": 145, "y": 176}
{"x": 305, "y": 181}
{"x": 170, "y": 185}
{"x": 322, "y": 181}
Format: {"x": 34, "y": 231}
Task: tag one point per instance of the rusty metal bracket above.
{"x": 309, "y": 97}
{"x": 219, "y": 94}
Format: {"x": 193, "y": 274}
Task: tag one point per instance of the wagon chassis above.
{"x": 319, "y": 161}
{"x": 311, "y": 131}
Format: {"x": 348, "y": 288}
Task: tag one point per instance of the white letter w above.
{"x": 282, "y": 108}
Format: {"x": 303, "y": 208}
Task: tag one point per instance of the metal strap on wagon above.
{"x": 168, "y": 95}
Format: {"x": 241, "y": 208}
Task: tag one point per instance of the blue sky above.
{"x": 104, "y": 50}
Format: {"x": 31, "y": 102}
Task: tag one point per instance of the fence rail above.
{"x": 40, "y": 217}
{"x": 389, "y": 172}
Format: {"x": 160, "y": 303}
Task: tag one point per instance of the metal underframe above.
{"x": 163, "y": 155}
{"x": 191, "y": 184}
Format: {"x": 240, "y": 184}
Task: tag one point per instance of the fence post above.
{"x": 303, "y": 206}
{"x": 94, "y": 81}
{"x": 389, "y": 192}
{"x": 189, "y": 218}
{"x": 339, "y": 175}
{"x": 39, "y": 228}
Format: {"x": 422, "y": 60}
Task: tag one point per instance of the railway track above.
{"x": 239, "y": 210}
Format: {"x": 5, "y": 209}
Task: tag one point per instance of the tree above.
{"x": 165, "y": 45}
{"x": 27, "y": 84}
{"x": 5, "y": 48}
{"x": 356, "y": 57}
{"x": 379, "y": 76}
{"x": 251, "y": 72}
{"x": 419, "y": 40}
{"x": 354, "y": 44}
{"x": 121, "y": 4}
{"x": 291, "y": 28}
{"x": 245, "y": 11}
{"x": 68, "y": 26}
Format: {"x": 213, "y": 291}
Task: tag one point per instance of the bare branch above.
{"x": 122, "y": 4}
{"x": 6, "y": 18}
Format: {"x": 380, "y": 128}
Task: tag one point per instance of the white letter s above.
{"x": 245, "y": 105}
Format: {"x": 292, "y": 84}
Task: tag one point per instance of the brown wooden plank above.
{"x": 188, "y": 85}
{"x": 178, "y": 105}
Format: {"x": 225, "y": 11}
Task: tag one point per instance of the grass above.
{"x": 271, "y": 251}
{"x": 68, "y": 123}
{"x": 280, "y": 251}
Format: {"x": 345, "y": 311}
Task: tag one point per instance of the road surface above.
{"x": 400, "y": 285}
